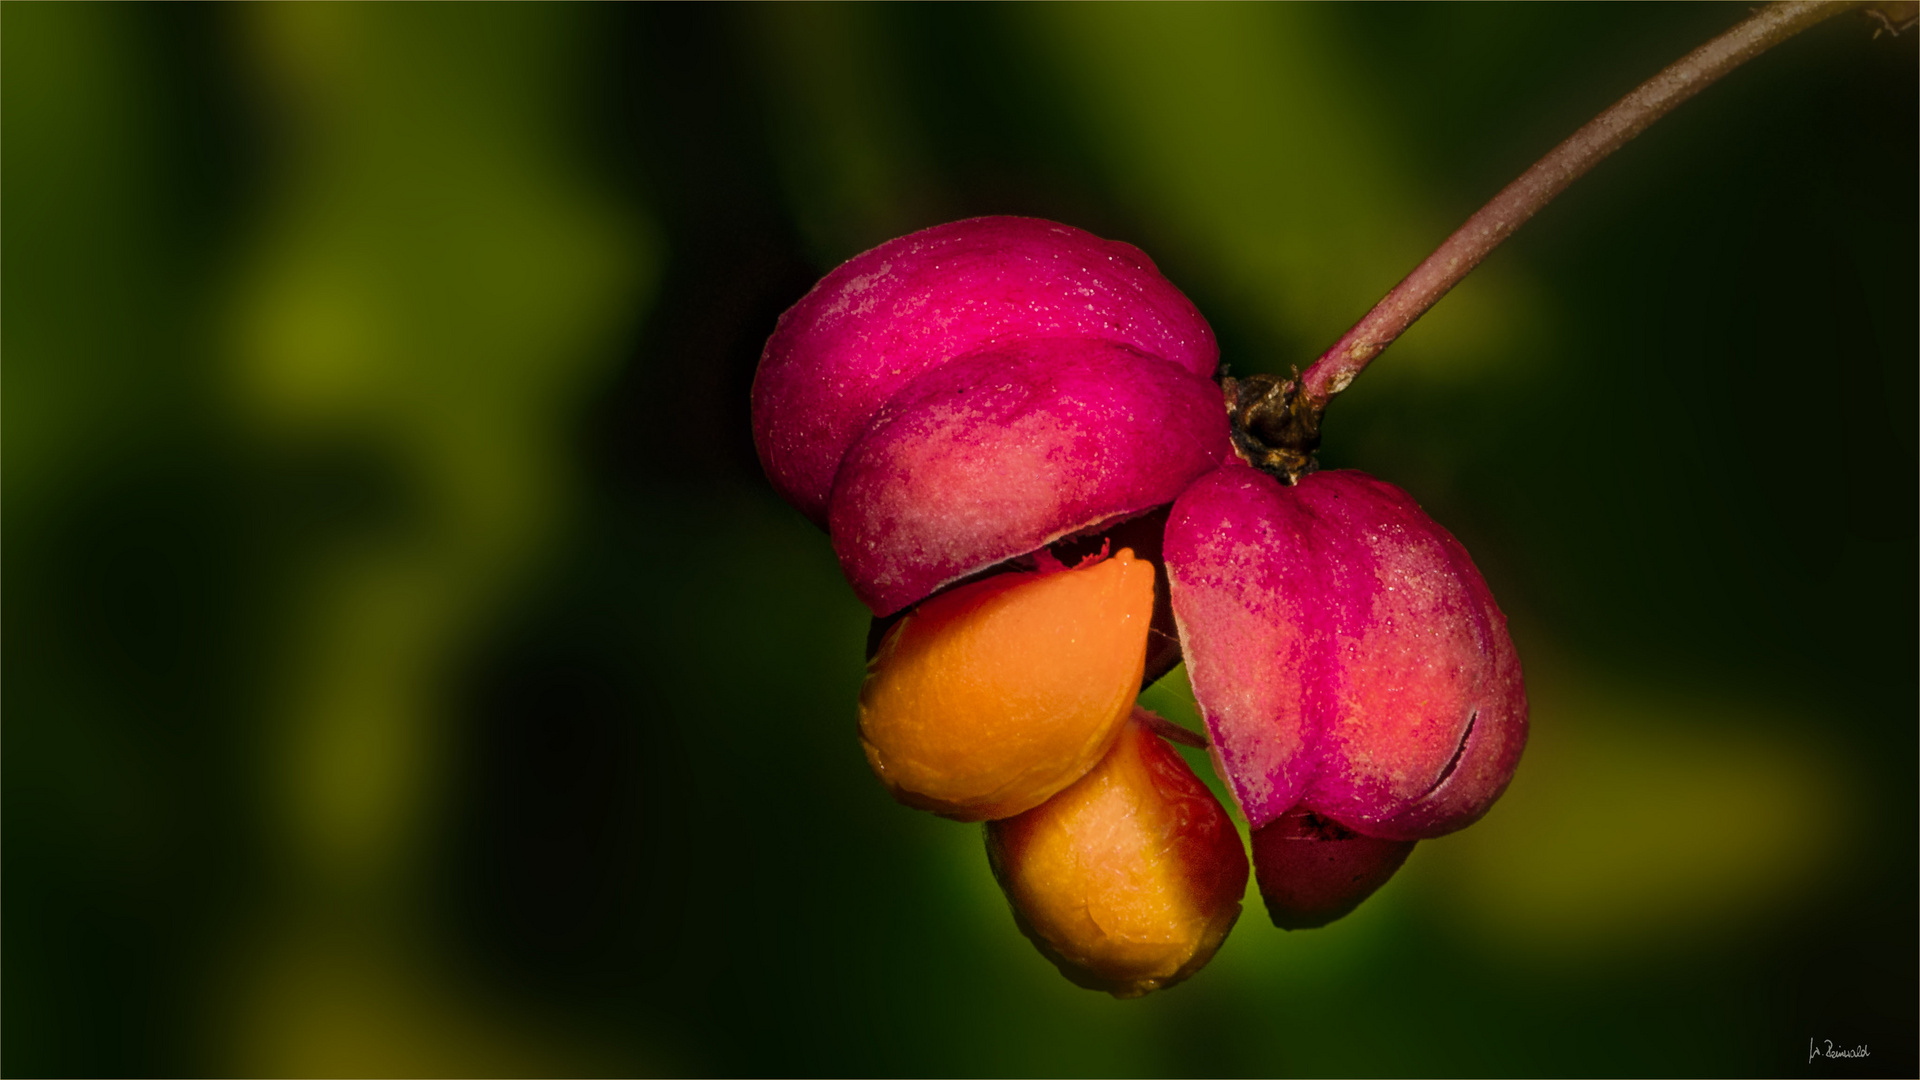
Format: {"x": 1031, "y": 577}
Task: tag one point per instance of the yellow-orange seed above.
{"x": 989, "y": 699}
{"x": 1130, "y": 879}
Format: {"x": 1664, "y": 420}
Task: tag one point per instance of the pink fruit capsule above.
{"x": 1002, "y": 452}
{"x": 988, "y": 389}
{"x": 884, "y": 318}
{"x": 1312, "y": 870}
{"x": 1346, "y": 654}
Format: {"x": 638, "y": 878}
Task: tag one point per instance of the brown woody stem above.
{"x": 1548, "y": 177}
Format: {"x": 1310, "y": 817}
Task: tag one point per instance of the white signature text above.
{"x": 1824, "y": 1048}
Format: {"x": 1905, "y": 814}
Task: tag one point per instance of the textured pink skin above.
{"x": 886, "y": 317}
{"x": 1346, "y": 653}
{"x": 1247, "y": 633}
{"x": 1002, "y": 452}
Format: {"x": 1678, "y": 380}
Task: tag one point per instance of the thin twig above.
{"x": 1549, "y": 176}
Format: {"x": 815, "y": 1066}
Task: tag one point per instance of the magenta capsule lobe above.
{"x": 1346, "y": 653}
{"x": 1312, "y": 871}
{"x": 886, "y": 317}
{"x": 1004, "y": 451}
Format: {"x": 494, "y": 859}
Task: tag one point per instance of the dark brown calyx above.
{"x": 1276, "y": 428}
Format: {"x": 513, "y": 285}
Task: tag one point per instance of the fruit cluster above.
{"x": 1011, "y": 432}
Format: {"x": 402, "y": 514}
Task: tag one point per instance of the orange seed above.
{"x": 1130, "y": 879}
{"x": 988, "y": 699}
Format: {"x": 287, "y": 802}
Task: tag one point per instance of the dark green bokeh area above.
{"x": 409, "y": 670}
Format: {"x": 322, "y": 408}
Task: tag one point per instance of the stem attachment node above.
{"x": 1276, "y": 427}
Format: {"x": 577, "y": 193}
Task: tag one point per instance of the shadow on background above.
{"x": 410, "y": 671}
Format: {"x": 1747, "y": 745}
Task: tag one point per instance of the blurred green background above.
{"x": 410, "y": 672}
